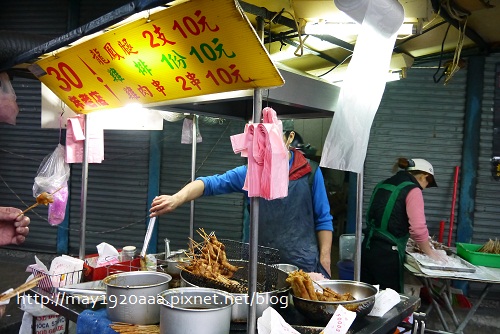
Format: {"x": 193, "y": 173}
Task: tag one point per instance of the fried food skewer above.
{"x": 44, "y": 198}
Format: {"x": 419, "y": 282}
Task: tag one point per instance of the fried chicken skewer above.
{"x": 44, "y": 198}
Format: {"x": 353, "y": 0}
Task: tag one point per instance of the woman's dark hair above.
{"x": 404, "y": 163}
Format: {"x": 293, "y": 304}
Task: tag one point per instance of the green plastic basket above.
{"x": 469, "y": 253}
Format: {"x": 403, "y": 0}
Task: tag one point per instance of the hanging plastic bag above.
{"x": 57, "y": 209}
{"x": 8, "y": 105}
{"x": 52, "y": 177}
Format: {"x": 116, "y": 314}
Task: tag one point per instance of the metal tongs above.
{"x": 149, "y": 232}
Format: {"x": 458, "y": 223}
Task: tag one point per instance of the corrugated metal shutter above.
{"x": 22, "y": 149}
{"x": 117, "y": 188}
{"x": 93, "y": 9}
{"x": 48, "y": 17}
{"x": 418, "y": 118}
{"x": 117, "y": 209}
{"x": 222, "y": 214}
{"x": 487, "y": 210}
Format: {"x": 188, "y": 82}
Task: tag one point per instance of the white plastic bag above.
{"x": 46, "y": 320}
{"x": 8, "y": 105}
{"x": 52, "y": 177}
{"x": 52, "y": 174}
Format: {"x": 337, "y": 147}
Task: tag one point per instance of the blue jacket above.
{"x": 287, "y": 224}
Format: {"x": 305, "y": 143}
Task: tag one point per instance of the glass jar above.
{"x": 128, "y": 253}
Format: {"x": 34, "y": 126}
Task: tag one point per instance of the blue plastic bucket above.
{"x": 346, "y": 270}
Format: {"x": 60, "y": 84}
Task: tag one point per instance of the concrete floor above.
{"x": 13, "y": 273}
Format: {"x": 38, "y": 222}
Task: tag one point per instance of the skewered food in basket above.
{"x": 208, "y": 259}
{"x": 490, "y": 247}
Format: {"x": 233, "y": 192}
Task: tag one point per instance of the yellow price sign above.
{"x": 195, "y": 48}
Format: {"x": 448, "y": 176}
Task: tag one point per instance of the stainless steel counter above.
{"x": 66, "y": 307}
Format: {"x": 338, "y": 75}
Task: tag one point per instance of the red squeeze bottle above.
{"x": 441, "y": 231}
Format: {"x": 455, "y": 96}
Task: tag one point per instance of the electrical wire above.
{"x": 334, "y": 67}
{"x": 454, "y": 13}
{"x": 139, "y": 221}
{"x": 436, "y": 80}
{"x": 454, "y": 67}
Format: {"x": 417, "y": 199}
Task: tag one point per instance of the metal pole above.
{"x": 359, "y": 227}
{"x": 83, "y": 199}
{"x": 254, "y": 214}
{"x": 193, "y": 174}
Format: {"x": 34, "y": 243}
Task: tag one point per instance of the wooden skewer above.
{"x": 122, "y": 327}
{"x": 28, "y": 209}
{"x": 20, "y": 289}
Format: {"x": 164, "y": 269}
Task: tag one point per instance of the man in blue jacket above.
{"x": 299, "y": 225}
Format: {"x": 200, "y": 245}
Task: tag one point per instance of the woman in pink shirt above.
{"x": 395, "y": 213}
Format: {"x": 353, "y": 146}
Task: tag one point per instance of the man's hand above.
{"x": 326, "y": 263}
{"x": 325, "y": 249}
{"x": 13, "y": 228}
{"x": 163, "y": 204}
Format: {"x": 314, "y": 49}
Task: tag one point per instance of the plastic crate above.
{"x": 51, "y": 281}
{"x": 91, "y": 273}
{"x": 469, "y": 253}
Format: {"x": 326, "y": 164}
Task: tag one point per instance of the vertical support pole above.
{"x": 154, "y": 184}
{"x": 470, "y": 150}
{"x": 359, "y": 227}
{"x": 352, "y": 198}
{"x": 254, "y": 214}
{"x": 193, "y": 174}
{"x": 83, "y": 199}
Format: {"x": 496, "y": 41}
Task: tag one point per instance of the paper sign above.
{"x": 340, "y": 322}
{"x": 191, "y": 49}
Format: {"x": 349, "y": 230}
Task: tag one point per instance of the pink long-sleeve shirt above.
{"x": 416, "y": 215}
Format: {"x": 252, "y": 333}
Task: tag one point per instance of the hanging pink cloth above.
{"x": 239, "y": 142}
{"x": 274, "y": 174}
{"x": 75, "y": 141}
{"x": 262, "y": 143}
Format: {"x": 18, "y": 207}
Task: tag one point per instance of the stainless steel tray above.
{"x": 465, "y": 266}
{"x": 88, "y": 294}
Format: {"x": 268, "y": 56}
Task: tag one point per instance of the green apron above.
{"x": 382, "y": 230}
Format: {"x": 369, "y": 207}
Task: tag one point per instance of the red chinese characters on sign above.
{"x": 121, "y": 63}
{"x": 92, "y": 99}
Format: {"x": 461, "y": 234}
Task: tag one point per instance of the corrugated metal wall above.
{"x": 22, "y": 149}
{"x": 487, "y": 210}
{"x": 117, "y": 190}
{"x": 418, "y": 118}
{"x": 221, "y": 214}
{"x": 48, "y": 17}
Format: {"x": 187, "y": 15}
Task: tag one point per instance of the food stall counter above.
{"x": 364, "y": 325}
